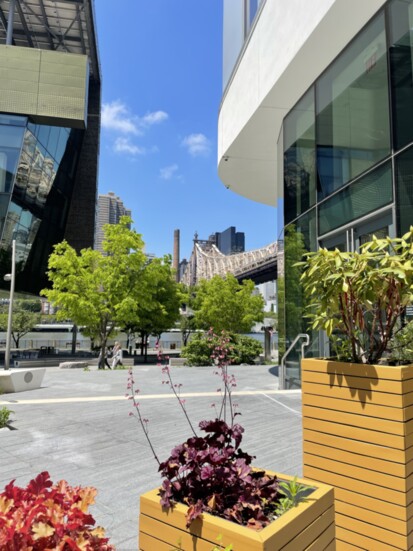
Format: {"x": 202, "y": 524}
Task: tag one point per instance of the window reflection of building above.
{"x": 3, "y": 168}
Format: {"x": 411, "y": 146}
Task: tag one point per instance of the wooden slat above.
{"x": 344, "y": 546}
{"x": 371, "y": 517}
{"x": 394, "y": 373}
{"x": 399, "y": 541}
{"x": 368, "y": 462}
{"x": 149, "y": 543}
{"x": 171, "y": 535}
{"x": 324, "y": 540}
{"x": 379, "y": 398}
{"x": 360, "y": 421}
{"x": 348, "y": 381}
{"x": 330, "y": 547}
{"x": 355, "y": 433}
{"x": 358, "y": 486}
{"x": 398, "y": 512}
{"x": 366, "y": 543}
{"x": 381, "y": 480}
{"x": 312, "y": 532}
{"x": 351, "y": 406}
{"x": 359, "y": 447}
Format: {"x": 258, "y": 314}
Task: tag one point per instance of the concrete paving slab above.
{"x": 78, "y": 428}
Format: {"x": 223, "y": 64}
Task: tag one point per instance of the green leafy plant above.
{"x": 45, "y": 516}
{"x": 5, "y": 416}
{"x": 293, "y": 492}
{"x": 401, "y": 345}
{"x": 219, "y": 546}
{"x": 243, "y": 349}
{"x": 361, "y": 296}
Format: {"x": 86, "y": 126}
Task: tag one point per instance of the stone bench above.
{"x": 18, "y": 380}
{"x": 43, "y": 362}
{"x": 73, "y": 365}
{"x": 177, "y": 362}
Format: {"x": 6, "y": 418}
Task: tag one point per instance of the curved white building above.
{"x": 317, "y": 119}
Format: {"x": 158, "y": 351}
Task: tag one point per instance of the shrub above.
{"x": 243, "y": 349}
{"x": 5, "y": 416}
{"x": 360, "y": 296}
{"x": 45, "y": 516}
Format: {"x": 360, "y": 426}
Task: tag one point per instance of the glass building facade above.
{"x": 37, "y": 168}
{"x": 49, "y": 137}
{"x": 348, "y": 159}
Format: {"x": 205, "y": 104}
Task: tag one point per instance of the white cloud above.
{"x": 154, "y": 118}
{"x": 124, "y": 145}
{"x": 197, "y": 144}
{"x": 116, "y": 116}
{"x": 168, "y": 172}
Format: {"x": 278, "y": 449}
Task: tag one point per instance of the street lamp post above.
{"x": 10, "y": 277}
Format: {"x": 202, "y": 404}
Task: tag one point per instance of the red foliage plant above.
{"x": 211, "y": 473}
{"x": 45, "y": 516}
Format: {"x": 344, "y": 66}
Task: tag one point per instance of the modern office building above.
{"x": 49, "y": 132}
{"x": 317, "y": 119}
{"x": 109, "y": 211}
{"x": 229, "y": 241}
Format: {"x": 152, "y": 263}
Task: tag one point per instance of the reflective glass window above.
{"x": 299, "y": 238}
{"x": 299, "y": 158}
{"x": 11, "y": 138}
{"x": 353, "y": 129}
{"x": 364, "y": 196}
{"x": 401, "y": 68}
{"x": 404, "y": 199}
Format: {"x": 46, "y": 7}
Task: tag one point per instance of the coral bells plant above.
{"x": 210, "y": 472}
{"x": 46, "y": 516}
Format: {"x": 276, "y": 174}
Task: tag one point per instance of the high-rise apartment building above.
{"x": 229, "y": 241}
{"x": 49, "y": 132}
{"x": 317, "y": 120}
{"x": 110, "y": 210}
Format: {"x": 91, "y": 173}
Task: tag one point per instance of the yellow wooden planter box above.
{"x": 358, "y": 437}
{"x": 309, "y": 526}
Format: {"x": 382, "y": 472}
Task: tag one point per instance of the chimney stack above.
{"x": 175, "y": 258}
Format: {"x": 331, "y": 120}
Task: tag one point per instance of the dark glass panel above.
{"x": 401, "y": 70}
{"x": 43, "y": 137}
{"x": 10, "y": 144}
{"x": 353, "y": 131}
{"x": 12, "y": 120}
{"x": 404, "y": 193}
{"x": 368, "y": 194}
{"x": 299, "y": 238}
{"x": 299, "y": 158}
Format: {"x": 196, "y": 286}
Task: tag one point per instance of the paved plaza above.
{"x": 77, "y": 427}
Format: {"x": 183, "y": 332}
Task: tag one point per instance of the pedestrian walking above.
{"x": 107, "y": 354}
{"x": 117, "y": 355}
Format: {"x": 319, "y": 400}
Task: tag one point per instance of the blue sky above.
{"x": 162, "y": 85}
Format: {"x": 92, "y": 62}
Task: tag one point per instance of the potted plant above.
{"x": 210, "y": 488}
{"x": 46, "y": 516}
{"x": 357, "y": 411}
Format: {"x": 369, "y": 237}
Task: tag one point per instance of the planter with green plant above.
{"x": 358, "y": 411}
{"x": 210, "y": 487}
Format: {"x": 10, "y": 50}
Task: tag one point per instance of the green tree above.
{"x": 22, "y": 321}
{"x": 187, "y": 323}
{"x": 100, "y": 292}
{"x": 225, "y": 304}
{"x": 160, "y": 313}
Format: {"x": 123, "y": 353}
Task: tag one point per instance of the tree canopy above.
{"x": 225, "y": 304}
{"x": 100, "y": 291}
{"x": 22, "y": 322}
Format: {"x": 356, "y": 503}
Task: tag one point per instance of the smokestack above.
{"x": 175, "y": 258}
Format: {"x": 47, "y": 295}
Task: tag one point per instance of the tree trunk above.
{"x": 146, "y": 347}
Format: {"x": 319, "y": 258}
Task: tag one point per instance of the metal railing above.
{"x": 305, "y": 343}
